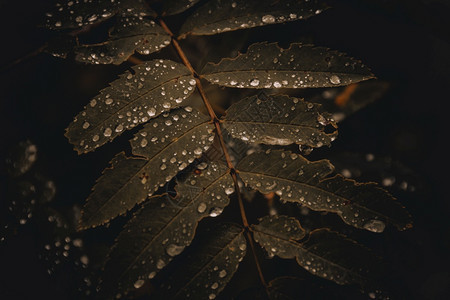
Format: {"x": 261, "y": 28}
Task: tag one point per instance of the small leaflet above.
{"x": 164, "y": 226}
{"x": 155, "y": 87}
{"x": 266, "y": 65}
{"x": 168, "y": 148}
{"x": 207, "y": 270}
{"x": 325, "y": 253}
{"x": 219, "y": 16}
{"x": 295, "y": 179}
{"x": 279, "y": 120}
{"x": 130, "y": 34}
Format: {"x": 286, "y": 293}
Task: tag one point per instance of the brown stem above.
{"x": 216, "y": 122}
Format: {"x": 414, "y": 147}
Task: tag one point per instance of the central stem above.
{"x": 216, "y": 123}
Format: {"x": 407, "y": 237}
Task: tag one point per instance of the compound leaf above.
{"x": 207, "y": 270}
{"x": 164, "y": 226}
{"x": 295, "y": 179}
{"x": 266, "y": 65}
{"x": 155, "y": 87}
{"x": 325, "y": 253}
{"x": 279, "y": 120}
{"x": 78, "y": 14}
{"x": 129, "y": 34}
{"x": 219, "y": 16}
{"x": 168, "y": 149}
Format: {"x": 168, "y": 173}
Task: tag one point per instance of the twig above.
{"x": 216, "y": 122}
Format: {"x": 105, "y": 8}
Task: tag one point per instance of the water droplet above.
{"x": 201, "y": 208}
{"x": 107, "y": 132}
{"x": 192, "y": 82}
{"x": 167, "y": 105}
{"x": 268, "y": 19}
{"x": 276, "y": 84}
{"x": 188, "y": 109}
{"x": 254, "y": 82}
{"x": 229, "y": 190}
{"x": 144, "y": 142}
{"x": 215, "y": 211}
{"x": 174, "y": 250}
{"x": 151, "y": 112}
{"x": 163, "y": 167}
{"x": 375, "y": 226}
{"x": 198, "y": 151}
{"x": 95, "y": 138}
{"x": 215, "y": 285}
{"x": 119, "y": 128}
{"x": 222, "y": 274}
{"x": 139, "y": 283}
{"x": 212, "y": 296}
{"x": 243, "y": 246}
{"x": 108, "y": 101}
{"x": 86, "y": 125}
{"x": 160, "y": 264}
{"x": 151, "y": 275}
{"x": 168, "y": 122}
{"x": 334, "y": 79}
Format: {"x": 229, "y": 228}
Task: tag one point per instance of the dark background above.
{"x": 406, "y": 43}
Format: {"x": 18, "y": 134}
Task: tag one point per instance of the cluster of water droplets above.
{"x": 155, "y": 87}
{"x": 279, "y": 120}
{"x": 242, "y": 14}
{"x": 129, "y": 34}
{"x": 266, "y": 65}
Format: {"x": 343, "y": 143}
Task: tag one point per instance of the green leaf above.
{"x": 173, "y": 7}
{"x": 207, "y": 270}
{"x": 78, "y": 14}
{"x": 325, "y": 253}
{"x": 168, "y": 149}
{"x": 155, "y": 87}
{"x": 129, "y": 34}
{"x": 295, "y": 179}
{"x": 265, "y": 65}
{"x": 279, "y": 120}
{"x": 164, "y": 226}
{"x": 219, "y": 16}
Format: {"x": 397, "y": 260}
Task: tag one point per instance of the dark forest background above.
{"x": 406, "y": 43}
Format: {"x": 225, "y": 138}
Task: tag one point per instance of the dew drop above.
{"x": 201, "y": 208}
{"x": 160, "y": 264}
{"x": 229, "y": 190}
{"x": 375, "y": 226}
{"x": 95, "y": 138}
{"x": 174, "y": 250}
{"x": 119, "y": 128}
{"x": 198, "y": 151}
{"x": 268, "y": 19}
{"x": 334, "y": 79}
{"x": 222, "y": 274}
{"x": 254, "y": 82}
{"x": 151, "y": 112}
{"x": 276, "y": 84}
{"x": 144, "y": 142}
{"x": 86, "y": 125}
{"x": 215, "y": 211}
{"x": 139, "y": 283}
{"x": 151, "y": 275}
{"x": 214, "y": 286}
{"x": 107, "y": 132}
{"x": 192, "y": 82}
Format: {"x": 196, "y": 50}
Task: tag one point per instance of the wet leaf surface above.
{"x": 266, "y": 65}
